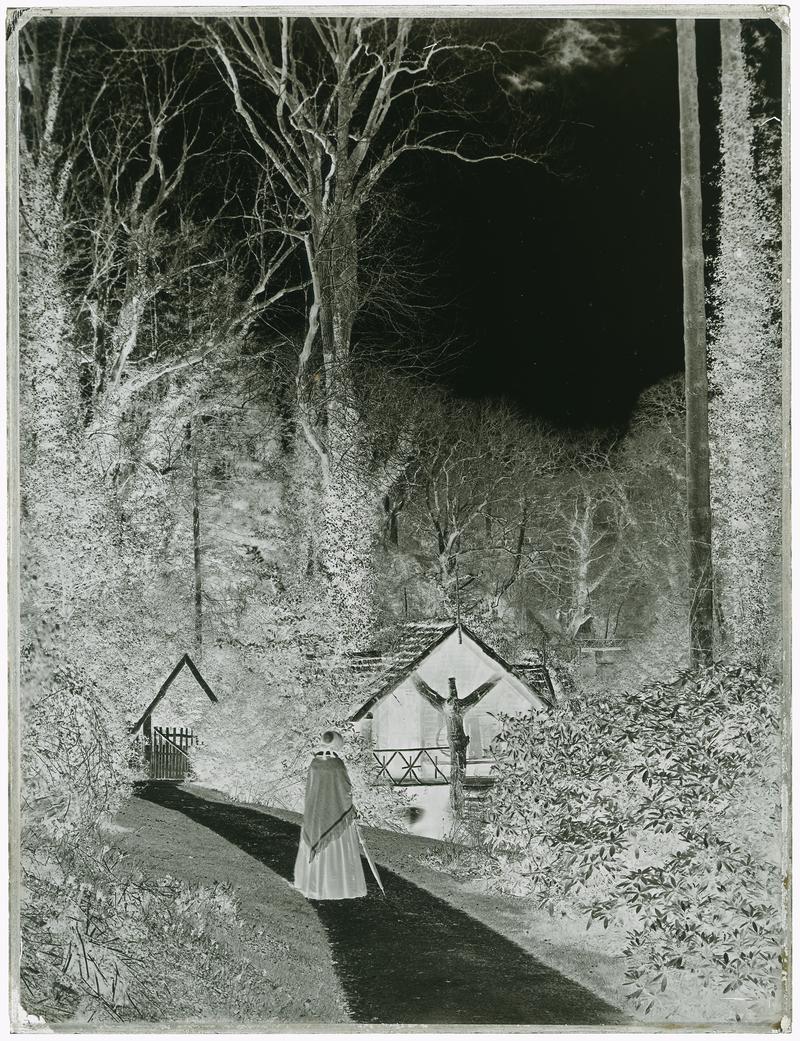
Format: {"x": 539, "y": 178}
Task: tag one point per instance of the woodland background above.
{"x": 235, "y": 440}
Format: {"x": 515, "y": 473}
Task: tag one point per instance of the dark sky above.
{"x": 558, "y": 285}
{"x": 566, "y": 282}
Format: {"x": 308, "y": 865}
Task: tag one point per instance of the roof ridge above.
{"x": 421, "y": 639}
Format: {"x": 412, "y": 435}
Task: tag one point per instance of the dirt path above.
{"x": 409, "y": 957}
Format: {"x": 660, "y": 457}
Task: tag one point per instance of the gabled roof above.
{"x": 187, "y": 661}
{"x": 417, "y": 641}
{"x": 533, "y": 671}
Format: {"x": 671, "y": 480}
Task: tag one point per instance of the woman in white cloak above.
{"x": 328, "y": 864}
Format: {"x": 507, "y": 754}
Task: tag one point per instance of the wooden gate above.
{"x": 169, "y": 753}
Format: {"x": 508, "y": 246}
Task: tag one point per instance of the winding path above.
{"x": 408, "y": 957}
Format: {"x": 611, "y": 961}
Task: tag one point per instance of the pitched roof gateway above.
{"x": 184, "y": 661}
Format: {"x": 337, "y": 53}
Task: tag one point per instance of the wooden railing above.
{"x": 412, "y": 764}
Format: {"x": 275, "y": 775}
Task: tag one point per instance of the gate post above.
{"x": 147, "y": 730}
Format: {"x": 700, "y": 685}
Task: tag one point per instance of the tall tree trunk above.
{"x": 125, "y": 334}
{"x": 698, "y": 495}
{"x": 581, "y": 608}
{"x": 198, "y": 574}
{"x": 345, "y": 521}
{"x": 348, "y": 526}
{"x": 49, "y": 378}
{"x": 745, "y": 369}
{"x": 335, "y": 260}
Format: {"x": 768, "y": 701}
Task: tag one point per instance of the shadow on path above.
{"x": 408, "y": 957}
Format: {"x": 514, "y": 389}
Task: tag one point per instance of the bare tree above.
{"x": 143, "y": 252}
{"x": 153, "y": 291}
{"x": 514, "y": 524}
{"x": 471, "y": 481}
{"x": 581, "y": 545}
{"x": 122, "y": 201}
{"x": 469, "y": 464}
{"x": 330, "y": 105}
{"x": 345, "y": 98}
{"x": 130, "y": 308}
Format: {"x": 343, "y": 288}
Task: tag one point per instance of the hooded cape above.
{"x": 328, "y": 806}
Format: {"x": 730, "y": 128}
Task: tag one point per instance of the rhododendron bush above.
{"x": 656, "y": 814}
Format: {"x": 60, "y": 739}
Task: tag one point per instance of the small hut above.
{"x": 437, "y": 697}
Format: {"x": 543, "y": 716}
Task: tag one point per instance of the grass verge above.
{"x": 275, "y": 930}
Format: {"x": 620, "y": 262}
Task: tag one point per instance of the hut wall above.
{"x": 396, "y": 719}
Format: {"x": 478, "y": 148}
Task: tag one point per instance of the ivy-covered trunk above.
{"x": 48, "y": 380}
{"x": 344, "y": 527}
{"x": 746, "y": 361}
{"x": 348, "y": 525}
{"x": 48, "y": 400}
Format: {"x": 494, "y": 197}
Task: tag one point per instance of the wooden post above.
{"x": 698, "y": 494}
{"x": 147, "y": 733}
{"x": 458, "y": 610}
{"x": 198, "y": 577}
{"x": 457, "y": 741}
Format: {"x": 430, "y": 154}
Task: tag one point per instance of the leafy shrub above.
{"x": 656, "y": 813}
{"x": 75, "y": 750}
{"x": 103, "y": 944}
{"x": 459, "y": 855}
{"x": 99, "y": 942}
